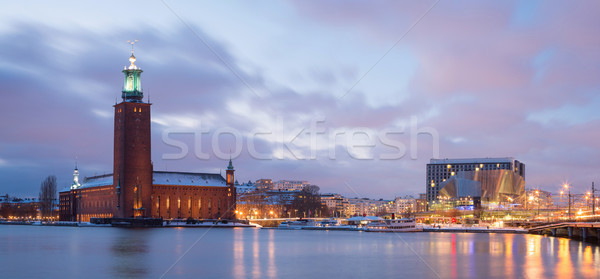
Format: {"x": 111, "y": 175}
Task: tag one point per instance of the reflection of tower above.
{"x": 137, "y": 198}
{"x": 132, "y": 176}
{"x": 231, "y": 191}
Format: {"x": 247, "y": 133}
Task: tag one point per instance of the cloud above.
{"x": 492, "y": 78}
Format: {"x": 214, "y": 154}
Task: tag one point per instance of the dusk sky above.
{"x": 492, "y": 79}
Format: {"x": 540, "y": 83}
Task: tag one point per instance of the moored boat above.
{"x": 296, "y": 224}
{"x": 393, "y": 225}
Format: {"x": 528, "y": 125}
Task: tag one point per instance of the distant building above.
{"x": 245, "y": 188}
{"x": 264, "y": 184}
{"x": 488, "y": 179}
{"x": 405, "y": 205}
{"x": 18, "y": 208}
{"x": 290, "y": 185}
{"x": 368, "y": 207}
{"x": 334, "y": 203}
{"x": 421, "y": 203}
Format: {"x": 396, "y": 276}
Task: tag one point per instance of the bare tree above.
{"x": 47, "y": 196}
{"x": 308, "y": 202}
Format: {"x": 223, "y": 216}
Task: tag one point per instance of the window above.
{"x": 200, "y": 207}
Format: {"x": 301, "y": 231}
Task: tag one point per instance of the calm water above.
{"x": 65, "y": 252}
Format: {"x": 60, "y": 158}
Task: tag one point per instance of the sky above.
{"x": 353, "y": 96}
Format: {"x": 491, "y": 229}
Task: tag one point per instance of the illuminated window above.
{"x": 134, "y": 109}
{"x": 199, "y": 206}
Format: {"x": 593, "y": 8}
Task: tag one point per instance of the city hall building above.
{"x": 135, "y": 189}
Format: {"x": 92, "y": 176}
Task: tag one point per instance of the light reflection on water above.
{"x": 50, "y": 252}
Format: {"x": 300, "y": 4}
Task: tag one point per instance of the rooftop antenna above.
{"x": 75, "y": 161}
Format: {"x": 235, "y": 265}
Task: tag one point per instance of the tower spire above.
{"x": 75, "y": 184}
{"x": 132, "y": 88}
{"x": 230, "y": 167}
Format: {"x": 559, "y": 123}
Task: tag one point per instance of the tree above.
{"x": 308, "y": 202}
{"x": 47, "y": 196}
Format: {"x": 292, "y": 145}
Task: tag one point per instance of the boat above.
{"x": 332, "y": 224}
{"x": 393, "y": 225}
{"x": 296, "y": 224}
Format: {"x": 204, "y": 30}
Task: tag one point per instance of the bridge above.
{"x": 586, "y": 231}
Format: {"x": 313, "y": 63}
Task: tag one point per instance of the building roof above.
{"x": 188, "y": 178}
{"x": 93, "y": 181}
{"x": 161, "y": 178}
{"x": 472, "y": 160}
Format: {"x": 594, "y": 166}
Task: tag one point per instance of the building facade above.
{"x": 405, "y": 205}
{"x": 264, "y": 184}
{"x": 333, "y": 202}
{"x": 488, "y": 179}
{"x": 440, "y": 170}
{"x": 134, "y": 189}
{"x": 290, "y": 185}
{"x": 245, "y": 188}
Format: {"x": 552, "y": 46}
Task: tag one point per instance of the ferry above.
{"x": 332, "y": 224}
{"x": 393, "y": 225}
{"x": 296, "y": 225}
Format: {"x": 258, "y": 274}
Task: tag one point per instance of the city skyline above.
{"x": 492, "y": 79}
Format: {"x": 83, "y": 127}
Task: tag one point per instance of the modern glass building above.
{"x": 491, "y": 179}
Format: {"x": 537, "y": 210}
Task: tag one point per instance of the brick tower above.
{"x": 232, "y": 194}
{"x": 132, "y": 176}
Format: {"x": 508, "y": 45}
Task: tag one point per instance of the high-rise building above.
{"x": 492, "y": 176}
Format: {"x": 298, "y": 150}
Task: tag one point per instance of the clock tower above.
{"x": 132, "y": 173}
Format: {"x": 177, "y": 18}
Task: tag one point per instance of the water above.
{"x": 67, "y": 252}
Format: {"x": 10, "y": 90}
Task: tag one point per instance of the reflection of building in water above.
{"x": 134, "y": 189}
{"x": 494, "y": 180}
{"x": 130, "y": 254}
